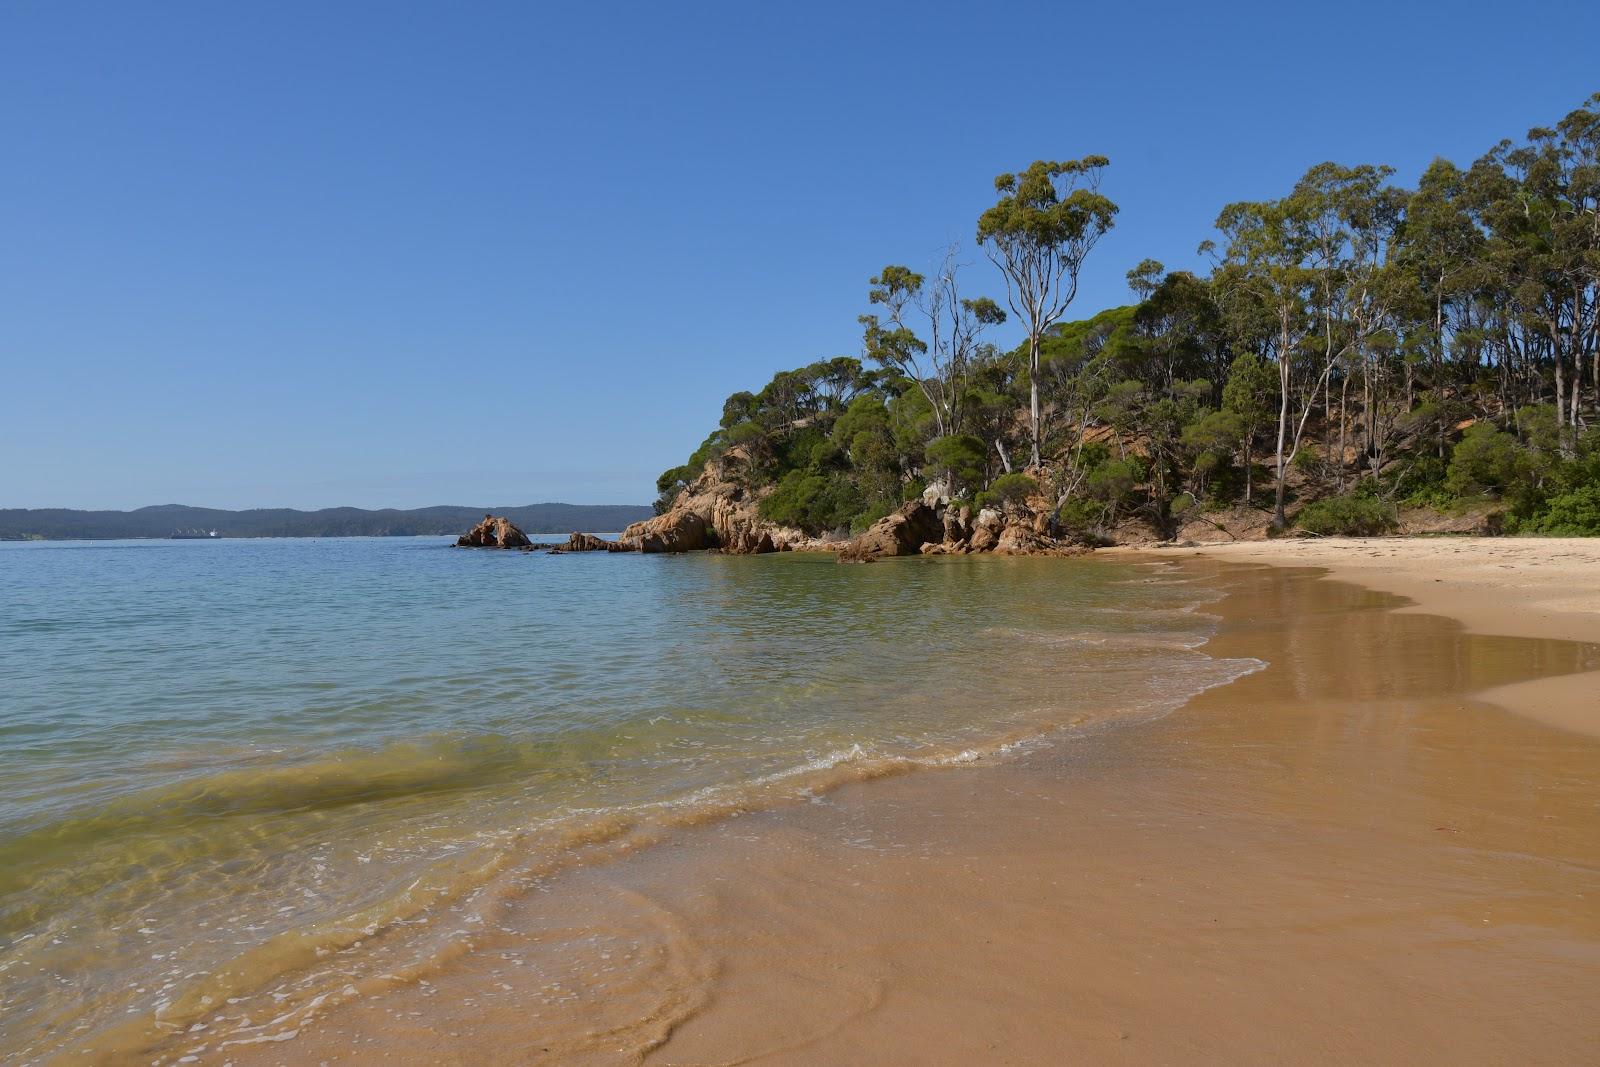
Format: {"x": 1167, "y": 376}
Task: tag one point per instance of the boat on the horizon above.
{"x": 193, "y": 535}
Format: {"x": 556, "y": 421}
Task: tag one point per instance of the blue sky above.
{"x": 400, "y": 254}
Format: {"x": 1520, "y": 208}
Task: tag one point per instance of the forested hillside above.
{"x": 167, "y": 519}
{"x": 1356, "y": 346}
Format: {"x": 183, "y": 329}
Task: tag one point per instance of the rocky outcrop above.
{"x": 587, "y": 542}
{"x": 717, "y": 511}
{"x": 739, "y": 529}
{"x": 901, "y": 534}
{"x": 1022, "y": 539}
{"x": 957, "y": 525}
{"x": 986, "y": 531}
{"x": 495, "y": 531}
{"x": 679, "y": 530}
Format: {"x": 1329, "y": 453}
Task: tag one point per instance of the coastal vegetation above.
{"x": 1356, "y": 347}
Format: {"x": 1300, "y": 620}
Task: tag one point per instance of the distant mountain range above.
{"x": 165, "y": 520}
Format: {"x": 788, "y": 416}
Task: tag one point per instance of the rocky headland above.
{"x": 718, "y": 512}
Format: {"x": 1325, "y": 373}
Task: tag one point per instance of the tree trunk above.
{"x": 1344, "y": 426}
{"x": 1033, "y": 389}
{"x": 1561, "y": 399}
{"x": 1248, "y": 472}
{"x": 1438, "y": 361}
{"x": 1278, "y": 518}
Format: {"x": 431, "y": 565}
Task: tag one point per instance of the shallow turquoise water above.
{"x": 221, "y": 760}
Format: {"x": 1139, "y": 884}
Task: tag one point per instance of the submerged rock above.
{"x": 495, "y": 531}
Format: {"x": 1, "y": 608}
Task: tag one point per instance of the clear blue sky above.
{"x": 387, "y": 254}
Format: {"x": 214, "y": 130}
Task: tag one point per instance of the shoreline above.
{"x": 1347, "y": 826}
{"x": 1547, "y": 587}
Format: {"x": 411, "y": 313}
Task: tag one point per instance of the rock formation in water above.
{"x": 714, "y": 511}
{"x": 587, "y": 542}
{"x": 495, "y": 531}
{"x": 919, "y": 527}
{"x": 902, "y": 533}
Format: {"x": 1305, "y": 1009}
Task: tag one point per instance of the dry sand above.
{"x": 1346, "y": 857}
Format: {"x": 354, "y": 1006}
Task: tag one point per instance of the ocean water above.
{"x": 239, "y": 779}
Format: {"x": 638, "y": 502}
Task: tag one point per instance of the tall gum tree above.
{"x": 1046, "y": 222}
{"x": 954, "y": 326}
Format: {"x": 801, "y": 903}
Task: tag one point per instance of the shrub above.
{"x": 1484, "y": 461}
{"x": 871, "y": 515}
{"x": 1113, "y": 481}
{"x": 1081, "y": 516}
{"x": 1574, "y": 514}
{"x": 1422, "y": 484}
{"x": 958, "y": 457}
{"x": 1007, "y": 489}
{"x": 1351, "y": 515}
{"x": 813, "y": 502}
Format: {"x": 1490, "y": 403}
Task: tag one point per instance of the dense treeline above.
{"x": 166, "y": 519}
{"x": 1356, "y": 346}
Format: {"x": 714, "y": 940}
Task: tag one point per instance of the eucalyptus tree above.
{"x": 1265, "y": 290}
{"x": 1247, "y": 397}
{"x": 1044, "y": 225}
{"x": 1439, "y": 244}
{"x": 954, "y": 325}
{"x": 1352, "y": 217}
{"x": 1180, "y": 328}
{"x": 1540, "y": 205}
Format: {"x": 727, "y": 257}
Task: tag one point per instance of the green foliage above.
{"x": 957, "y": 457}
{"x": 1571, "y": 514}
{"x": 1081, "y": 515}
{"x": 1113, "y": 482}
{"x": 1486, "y": 461}
{"x": 1007, "y": 489}
{"x": 872, "y": 514}
{"x": 1109, "y": 336}
{"x": 1351, "y": 515}
{"x": 1422, "y": 484}
{"x": 1215, "y": 432}
{"x": 1350, "y": 322}
{"x": 813, "y": 502}
{"x": 1250, "y": 392}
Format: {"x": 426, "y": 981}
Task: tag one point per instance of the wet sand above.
{"x": 1344, "y": 857}
{"x": 1519, "y": 586}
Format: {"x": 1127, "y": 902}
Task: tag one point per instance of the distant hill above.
{"x": 59, "y": 524}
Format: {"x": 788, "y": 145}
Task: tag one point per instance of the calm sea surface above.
{"x": 238, "y": 776}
